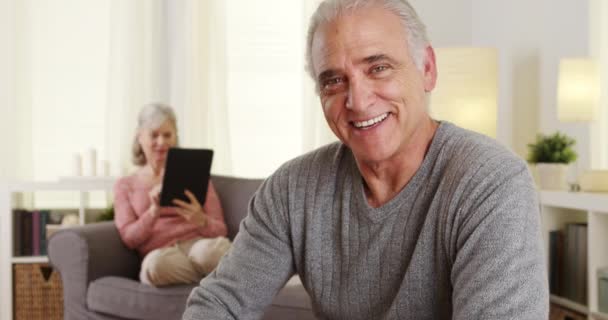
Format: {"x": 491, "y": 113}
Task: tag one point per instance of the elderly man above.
{"x": 406, "y": 217}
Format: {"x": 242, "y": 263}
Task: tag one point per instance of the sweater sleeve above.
{"x": 216, "y": 225}
{"x": 499, "y": 269}
{"x": 259, "y": 263}
{"x": 134, "y": 229}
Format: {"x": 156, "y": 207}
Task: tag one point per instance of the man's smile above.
{"x": 369, "y": 123}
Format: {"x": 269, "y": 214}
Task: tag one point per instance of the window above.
{"x": 265, "y": 83}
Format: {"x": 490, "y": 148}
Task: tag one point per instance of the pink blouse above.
{"x": 143, "y": 232}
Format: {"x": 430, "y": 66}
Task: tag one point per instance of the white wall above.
{"x": 531, "y": 37}
{"x": 514, "y": 28}
{"x": 565, "y": 34}
{"x": 449, "y": 23}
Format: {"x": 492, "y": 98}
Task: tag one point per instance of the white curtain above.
{"x": 172, "y": 52}
{"x": 7, "y": 84}
{"x": 15, "y": 104}
{"x": 197, "y": 76}
{"x": 134, "y": 76}
{"x": 177, "y": 52}
{"x": 75, "y": 76}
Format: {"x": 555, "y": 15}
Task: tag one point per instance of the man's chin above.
{"x": 372, "y": 154}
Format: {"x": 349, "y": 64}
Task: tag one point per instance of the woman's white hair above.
{"x": 329, "y": 10}
{"x": 151, "y": 116}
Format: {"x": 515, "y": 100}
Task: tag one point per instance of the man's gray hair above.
{"x": 329, "y": 10}
{"x": 151, "y": 116}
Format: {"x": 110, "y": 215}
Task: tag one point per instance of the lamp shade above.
{"x": 466, "y": 92}
{"x": 578, "y": 89}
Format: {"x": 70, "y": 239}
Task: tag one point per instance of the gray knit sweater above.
{"x": 460, "y": 241}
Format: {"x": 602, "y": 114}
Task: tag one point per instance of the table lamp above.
{"x": 467, "y": 88}
{"x": 578, "y": 98}
{"x": 578, "y": 90}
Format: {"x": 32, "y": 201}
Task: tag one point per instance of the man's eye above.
{"x": 379, "y": 68}
{"x": 332, "y": 83}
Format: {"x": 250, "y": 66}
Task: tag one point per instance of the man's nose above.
{"x": 360, "y": 94}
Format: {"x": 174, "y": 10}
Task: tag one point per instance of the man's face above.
{"x": 372, "y": 94}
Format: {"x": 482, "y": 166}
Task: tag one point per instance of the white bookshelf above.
{"x": 558, "y": 208}
{"x": 11, "y": 197}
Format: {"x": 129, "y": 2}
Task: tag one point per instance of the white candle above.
{"x": 76, "y": 165}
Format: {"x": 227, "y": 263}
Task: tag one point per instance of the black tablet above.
{"x": 186, "y": 169}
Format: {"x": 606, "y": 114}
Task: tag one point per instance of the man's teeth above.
{"x": 367, "y": 123}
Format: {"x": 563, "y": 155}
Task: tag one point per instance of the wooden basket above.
{"x": 37, "y": 292}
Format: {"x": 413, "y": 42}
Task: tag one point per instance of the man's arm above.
{"x": 256, "y": 267}
{"x": 499, "y": 271}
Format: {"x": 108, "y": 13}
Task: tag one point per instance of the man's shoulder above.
{"x": 468, "y": 150}
{"x": 476, "y": 168}
{"x": 296, "y": 176}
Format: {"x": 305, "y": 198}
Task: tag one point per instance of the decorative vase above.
{"x": 552, "y": 176}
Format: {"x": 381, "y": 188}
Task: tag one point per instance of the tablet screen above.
{"x": 186, "y": 169}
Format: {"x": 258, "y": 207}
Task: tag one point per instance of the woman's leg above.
{"x": 205, "y": 254}
{"x": 170, "y": 265}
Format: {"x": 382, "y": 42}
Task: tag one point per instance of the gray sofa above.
{"x": 100, "y": 274}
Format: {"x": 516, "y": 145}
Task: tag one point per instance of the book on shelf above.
{"x": 17, "y": 227}
{"x": 30, "y": 232}
{"x": 581, "y": 260}
{"x": 556, "y": 256}
{"x": 44, "y": 223}
{"x": 27, "y": 248}
{"x": 568, "y": 262}
{"x": 36, "y": 233}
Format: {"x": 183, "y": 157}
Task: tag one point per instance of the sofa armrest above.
{"x": 85, "y": 253}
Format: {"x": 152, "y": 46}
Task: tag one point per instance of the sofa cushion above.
{"x": 132, "y": 299}
{"x": 234, "y": 194}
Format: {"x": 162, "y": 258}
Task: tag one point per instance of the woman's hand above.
{"x": 154, "y": 196}
{"x": 192, "y": 211}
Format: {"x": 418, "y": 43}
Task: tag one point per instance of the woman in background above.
{"x": 179, "y": 244}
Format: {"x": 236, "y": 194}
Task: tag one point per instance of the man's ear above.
{"x": 429, "y": 69}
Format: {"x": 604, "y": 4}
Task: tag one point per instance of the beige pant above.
{"x": 184, "y": 262}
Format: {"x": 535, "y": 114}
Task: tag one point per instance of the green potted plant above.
{"x": 551, "y": 154}
{"x": 107, "y": 215}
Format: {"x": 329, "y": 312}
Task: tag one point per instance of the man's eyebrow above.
{"x": 326, "y": 74}
{"x": 378, "y": 57}
{"x": 367, "y": 60}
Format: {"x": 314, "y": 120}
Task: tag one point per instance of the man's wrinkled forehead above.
{"x": 362, "y": 36}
